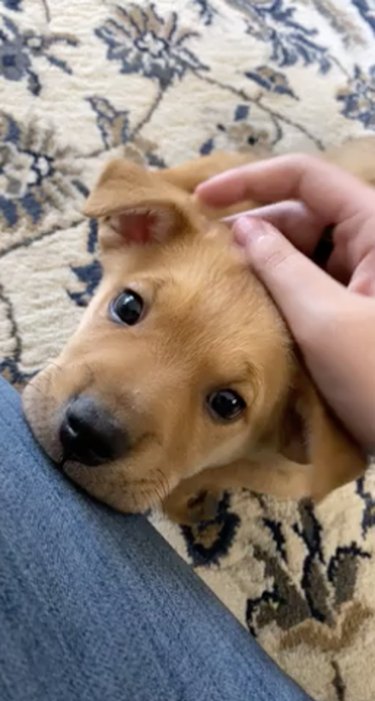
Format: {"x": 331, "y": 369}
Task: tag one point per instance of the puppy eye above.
{"x": 127, "y": 308}
{"x": 226, "y": 404}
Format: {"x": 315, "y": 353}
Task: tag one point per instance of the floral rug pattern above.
{"x": 162, "y": 82}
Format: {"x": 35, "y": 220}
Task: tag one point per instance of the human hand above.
{"x": 330, "y": 313}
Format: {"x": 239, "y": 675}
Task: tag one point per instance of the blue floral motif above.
{"x": 18, "y": 49}
{"x": 209, "y": 541}
{"x": 339, "y": 574}
{"x": 241, "y": 112}
{"x": 367, "y": 12}
{"x": 238, "y": 134}
{"x": 207, "y": 11}
{"x": 10, "y": 370}
{"x": 276, "y": 530}
{"x": 88, "y": 275}
{"x": 115, "y": 131}
{"x": 35, "y": 172}
{"x": 358, "y": 97}
{"x": 10, "y": 364}
{"x": 368, "y": 498}
{"x": 274, "y": 23}
{"x": 324, "y": 587}
{"x": 112, "y": 124}
{"x": 15, "y": 5}
{"x": 271, "y": 80}
{"x": 143, "y": 42}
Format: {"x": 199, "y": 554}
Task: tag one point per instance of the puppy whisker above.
{"x": 164, "y": 482}
{"x": 36, "y": 388}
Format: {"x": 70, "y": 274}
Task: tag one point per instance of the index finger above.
{"x": 329, "y": 191}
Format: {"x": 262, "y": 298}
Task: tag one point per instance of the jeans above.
{"x": 95, "y": 605}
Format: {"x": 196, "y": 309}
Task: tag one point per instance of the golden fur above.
{"x": 209, "y": 324}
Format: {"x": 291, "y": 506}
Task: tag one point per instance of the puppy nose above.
{"x": 89, "y": 434}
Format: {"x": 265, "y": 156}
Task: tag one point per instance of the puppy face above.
{"x": 181, "y": 361}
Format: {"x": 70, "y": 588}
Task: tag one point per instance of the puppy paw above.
{"x": 203, "y": 506}
{"x": 197, "y": 508}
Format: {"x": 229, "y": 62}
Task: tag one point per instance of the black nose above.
{"x": 89, "y": 434}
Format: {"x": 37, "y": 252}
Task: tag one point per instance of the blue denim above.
{"x": 95, "y": 605}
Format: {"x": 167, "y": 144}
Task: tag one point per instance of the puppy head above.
{"x": 181, "y": 361}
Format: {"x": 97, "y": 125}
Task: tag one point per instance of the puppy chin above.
{"x": 110, "y": 488}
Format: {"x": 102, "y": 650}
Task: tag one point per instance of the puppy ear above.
{"x": 309, "y": 433}
{"x": 138, "y": 205}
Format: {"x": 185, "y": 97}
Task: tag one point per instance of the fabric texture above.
{"x": 161, "y": 82}
{"x": 95, "y": 605}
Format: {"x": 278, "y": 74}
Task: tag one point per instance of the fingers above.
{"x": 363, "y": 278}
{"x": 300, "y": 289}
{"x": 324, "y": 188}
{"x": 299, "y": 224}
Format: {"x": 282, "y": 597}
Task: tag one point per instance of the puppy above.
{"x": 182, "y": 379}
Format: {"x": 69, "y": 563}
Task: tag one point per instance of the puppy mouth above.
{"x": 116, "y": 487}
{"x": 48, "y": 437}
{"x": 77, "y": 430}
{"x": 129, "y": 481}
{"x": 45, "y": 419}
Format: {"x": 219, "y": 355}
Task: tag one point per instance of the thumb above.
{"x": 303, "y": 292}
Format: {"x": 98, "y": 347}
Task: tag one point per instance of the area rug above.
{"x": 161, "y": 82}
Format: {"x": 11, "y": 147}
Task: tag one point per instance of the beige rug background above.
{"x": 80, "y": 81}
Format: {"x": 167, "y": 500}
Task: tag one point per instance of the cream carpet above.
{"x": 162, "y": 82}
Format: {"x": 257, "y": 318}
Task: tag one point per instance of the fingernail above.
{"x": 249, "y": 228}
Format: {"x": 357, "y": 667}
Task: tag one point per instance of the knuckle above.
{"x": 276, "y": 258}
{"x": 304, "y": 161}
{"x": 300, "y": 162}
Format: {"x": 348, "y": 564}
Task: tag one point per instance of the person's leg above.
{"x": 95, "y": 605}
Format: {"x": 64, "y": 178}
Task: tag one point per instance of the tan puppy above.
{"x": 182, "y": 378}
